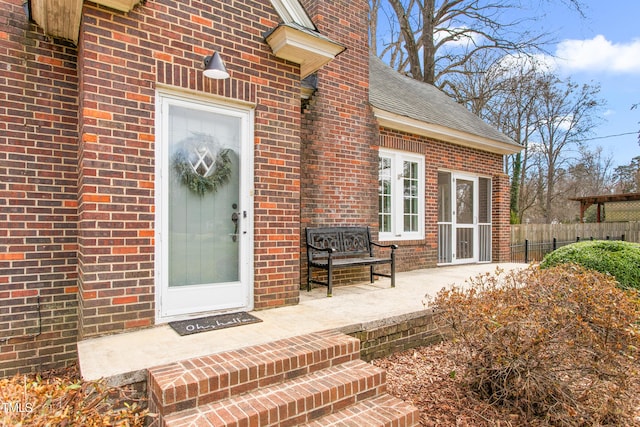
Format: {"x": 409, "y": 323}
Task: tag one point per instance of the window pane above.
{"x": 464, "y": 201}
{"x": 410, "y": 183}
{"x": 199, "y": 225}
{"x": 384, "y": 194}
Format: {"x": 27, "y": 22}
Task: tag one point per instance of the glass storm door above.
{"x": 464, "y": 219}
{"x": 205, "y": 239}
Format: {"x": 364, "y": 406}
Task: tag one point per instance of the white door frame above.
{"x": 163, "y": 293}
{"x": 454, "y": 218}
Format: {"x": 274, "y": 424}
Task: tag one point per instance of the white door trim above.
{"x": 163, "y": 293}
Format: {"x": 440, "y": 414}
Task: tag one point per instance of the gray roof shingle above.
{"x": 392, "y": 92}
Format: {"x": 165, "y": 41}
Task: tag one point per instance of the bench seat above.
{"x": 340, "y": 247}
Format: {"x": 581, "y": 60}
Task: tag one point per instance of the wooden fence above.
{"x": 531, "y": 242}
{"x": 571, "y": 232}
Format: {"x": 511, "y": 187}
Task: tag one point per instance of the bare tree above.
{"x": 435, "y": 38}
{"x": 592, "y": 174}
{"x": 564, "y": 116}
{"x": 512, "y": 111}
{"x": 627, "y": 177}
{"x": 505, "y": 92}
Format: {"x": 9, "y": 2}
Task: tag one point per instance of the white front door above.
{"x": 204, "y": 232}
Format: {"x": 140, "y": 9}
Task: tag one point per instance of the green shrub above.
{"x": 558, "y": 345}
{"x": 619, "y": 259}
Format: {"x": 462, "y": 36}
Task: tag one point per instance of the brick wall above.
{"x": 340, "y": 174}
{"x": 124, "y": 58}
{"x": 444, "y": 156}
{"x": 395, "y": 335}
{"x": 38, "y": 208}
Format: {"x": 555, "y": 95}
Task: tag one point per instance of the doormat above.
{"x": 211, "y": 323}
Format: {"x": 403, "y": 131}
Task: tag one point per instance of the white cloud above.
{"x": 600, "y": 55}
{"x": 465, "y": 38}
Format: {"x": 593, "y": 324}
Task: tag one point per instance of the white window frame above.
{"x": 397, "y": 195}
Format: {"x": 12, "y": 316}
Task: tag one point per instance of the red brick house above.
{"x": 103, "y": 105}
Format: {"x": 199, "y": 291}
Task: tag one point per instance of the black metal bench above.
{"x": 337, "y": 247}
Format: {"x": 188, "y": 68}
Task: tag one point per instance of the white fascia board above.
{"x": 442, "y": 133}
{"x": 292, "y": 11}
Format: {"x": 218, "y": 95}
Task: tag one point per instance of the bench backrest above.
{"x": 347, "y": 241}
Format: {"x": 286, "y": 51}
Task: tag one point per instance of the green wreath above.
{"x": 199, "y": 184}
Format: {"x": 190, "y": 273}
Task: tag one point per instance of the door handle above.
{"x": 235, "y": 218}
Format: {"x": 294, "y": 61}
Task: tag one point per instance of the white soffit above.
{"x": 442, "y": 133}
{"x": 61, "y": 18}
{"x": 304, "y": 47}
{"x": 58, "y": 18}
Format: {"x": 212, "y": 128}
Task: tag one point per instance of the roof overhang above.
{"x": 443, "y": 133}
{"x": 302, "y": 46}
{"x": 608, "y": 198}
{"x": 61, "y": 18}
{"x": 599, "y": 200}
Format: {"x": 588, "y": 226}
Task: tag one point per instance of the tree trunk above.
{"x": 515, "y": 188}
{"x": 428, "y": 46}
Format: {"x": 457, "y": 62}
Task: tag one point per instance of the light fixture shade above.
{"x": 214, "y": 67}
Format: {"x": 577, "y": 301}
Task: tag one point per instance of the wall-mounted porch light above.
{"x": 214, "y": 67}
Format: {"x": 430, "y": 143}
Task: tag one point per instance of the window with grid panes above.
{"x": 400, "y": 195}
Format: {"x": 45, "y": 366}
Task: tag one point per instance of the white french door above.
{"x": 204, "y": 232}
{"x": 464, "y": 218}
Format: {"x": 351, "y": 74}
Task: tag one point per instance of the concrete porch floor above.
{"x": 124, "y": 358}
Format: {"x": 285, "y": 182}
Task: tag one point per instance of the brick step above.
{"x": 293, "y": 402}
{"x": 381, "y": 411}
{"x": 195, "y": 382}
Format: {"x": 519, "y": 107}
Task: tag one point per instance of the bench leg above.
{"x": 329, "y": 279}
{"x": 371, "y": 273}
{"x": 393, "y": 270}
{"x": 308, "y": 277}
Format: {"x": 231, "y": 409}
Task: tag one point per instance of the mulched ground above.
{"x": 426, "y": 378}
{"x": 60, "y": 398}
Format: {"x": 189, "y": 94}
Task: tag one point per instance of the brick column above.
{"x": 501, "y": 218}
{"x": 116, "y": 175}
{"x": 340, "y": 163}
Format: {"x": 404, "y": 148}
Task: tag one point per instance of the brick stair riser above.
{"x": 297, "y": 401}
{"x": 188, "y": 384}
{"x": 380, "y": 411}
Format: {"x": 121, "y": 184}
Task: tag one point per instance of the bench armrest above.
{"x": 392, "y": 246}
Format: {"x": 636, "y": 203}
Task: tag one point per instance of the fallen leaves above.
{"x": 60, "y": 398}
{"x": 429, "y": 378}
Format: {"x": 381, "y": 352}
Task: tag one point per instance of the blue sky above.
{"x": 603, "y": 48}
